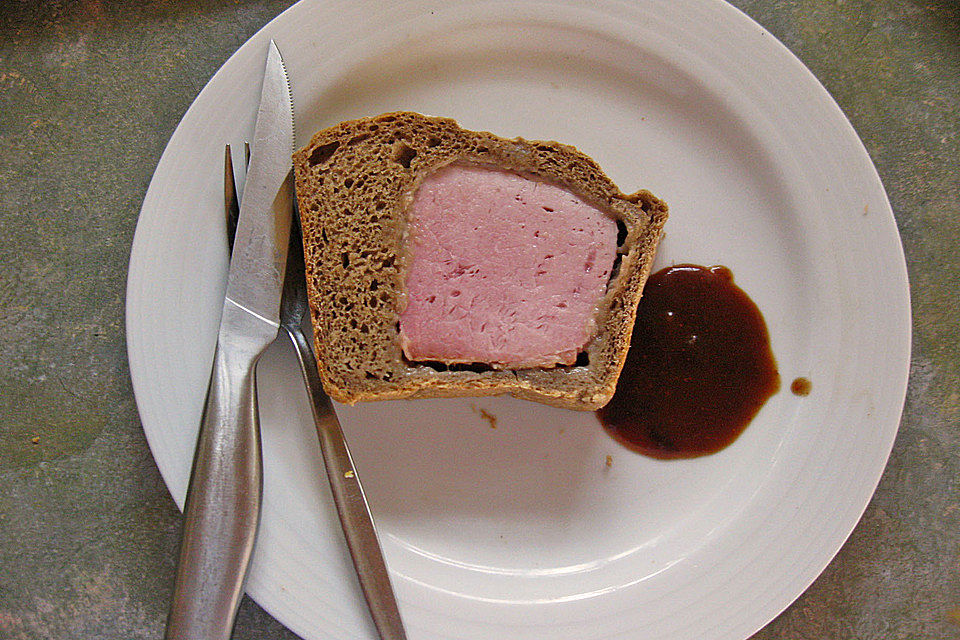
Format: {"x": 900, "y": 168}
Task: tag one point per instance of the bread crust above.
{"x": 354, "y": 184}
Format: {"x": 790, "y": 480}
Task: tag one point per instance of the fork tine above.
{"x": 231, "y": 202}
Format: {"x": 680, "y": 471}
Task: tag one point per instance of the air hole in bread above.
{"x": 374, "y": 285}
{"x": 359, "y": 138}
{"x": 473, "y": 367}
{"x": 621, "y": 233}
{"x": 348, "y": 183}
{"x": 582, "y": 362}
{"x": 323, "y": 153}
{"x": 433, "y": 141}
{"x": 404, "y": 154}
{"x": 345, "y": 258}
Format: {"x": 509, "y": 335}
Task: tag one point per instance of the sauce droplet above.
{"x": 699, "y": 367}
{"x": 801, "y": 386}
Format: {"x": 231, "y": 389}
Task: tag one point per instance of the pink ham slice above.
{"x": 504, "y": 270}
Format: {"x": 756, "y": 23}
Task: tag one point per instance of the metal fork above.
{"x": 355, "y": 516}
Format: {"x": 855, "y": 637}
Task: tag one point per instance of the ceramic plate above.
{"x": 522, "y": 531}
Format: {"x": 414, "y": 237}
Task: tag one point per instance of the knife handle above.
{"x": 355, "y": 516}
{"x": 222, "y": 510}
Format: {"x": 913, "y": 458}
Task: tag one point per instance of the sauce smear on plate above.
{"x": 801, "y": 386}
{"x": 699, "y": 367}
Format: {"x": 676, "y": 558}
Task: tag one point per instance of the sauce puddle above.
{"x": 699, "y": 367}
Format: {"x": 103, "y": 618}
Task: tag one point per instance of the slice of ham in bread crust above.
{"x": 355, "y": 183}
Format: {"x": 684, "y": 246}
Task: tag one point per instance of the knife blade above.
{"x": 222, "y": 510}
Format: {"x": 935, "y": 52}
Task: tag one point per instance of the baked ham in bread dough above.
{"x": 356, "y": 183}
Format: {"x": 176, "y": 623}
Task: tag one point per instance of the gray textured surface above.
{"x": 91, "y": 90}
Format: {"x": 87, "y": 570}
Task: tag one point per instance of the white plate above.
{"x": 521, "y": 531}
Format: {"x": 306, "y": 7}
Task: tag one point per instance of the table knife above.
{"x": 222, "y": 509}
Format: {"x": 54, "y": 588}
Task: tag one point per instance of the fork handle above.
{"x": 222, "y": 509}
{"x": 355, "y": 516}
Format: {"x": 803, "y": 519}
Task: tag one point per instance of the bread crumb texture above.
{"x": 355, "y": 183}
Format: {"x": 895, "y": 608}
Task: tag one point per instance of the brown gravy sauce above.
{"x": 801, "y": 386}
{"x": 699, "y": 366}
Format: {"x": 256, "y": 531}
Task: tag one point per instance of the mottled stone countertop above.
{"x": 90, "y": 92}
